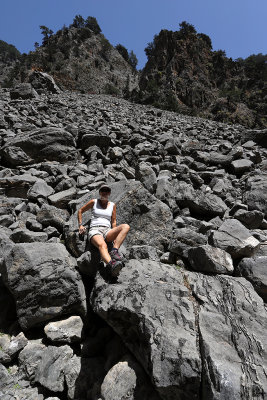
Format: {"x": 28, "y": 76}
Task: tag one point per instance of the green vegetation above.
{"x": 90, "y": 23}
{"x": 8, "y": 52}
{"x": 133, "y": 60}
{"x": 123, "y": 51}
{"x": 16, "y": 386}
{"x": 112, "y": 90}
{"x": 47, "y": 33}
{"x": 130, "y": 58}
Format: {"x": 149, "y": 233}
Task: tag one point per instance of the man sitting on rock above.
{"x": 103, "y": 229}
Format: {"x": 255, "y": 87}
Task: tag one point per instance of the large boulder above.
{"x": 42, "y": 82}
{"x": 52, "y": 216}
{"x": 151, "y": 309}
{"x": 235, "y": 239}
{"x": 44, "y": 282}
{"x": 23, "y": 91}
{"x": 256, "y": 194}
{"x": 257, "y": 135}
{"x": 39, "y": 145}
{"x": 210, "y": 259}
{"x": 18, "y": 186}
{"x": 67, "y": 330}
{"x": 184, "y": 239}
{"x": 255, "y": 270}
{"x": 233, "y": 342}
{"x": 200, "y": 203}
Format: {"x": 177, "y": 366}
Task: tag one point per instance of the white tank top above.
{"x": 101, "y": 216}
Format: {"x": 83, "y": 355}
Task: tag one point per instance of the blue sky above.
{"x": 237, "y": 26}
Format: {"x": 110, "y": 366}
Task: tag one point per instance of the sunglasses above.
{"x": 104, "y": 191}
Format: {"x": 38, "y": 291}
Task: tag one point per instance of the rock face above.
{"x": 151, "y": 309}
{"x": 210, "y": 259}
{"x": 234, "y": 238}
{"x": 184, "y": 319}
{"x": 31, "y": 270}
{"x": 38, "y": 145}
{"x": 232, "y": 322}
{"x": 254, "y": 270}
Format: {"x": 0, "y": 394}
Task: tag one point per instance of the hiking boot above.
{"x": 114, "y": 267}
{"x": 115, "y": 255}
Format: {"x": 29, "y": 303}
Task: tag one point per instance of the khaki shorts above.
{"x": 98, "y": 230}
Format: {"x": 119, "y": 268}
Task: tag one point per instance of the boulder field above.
{"x": 186, "y": 319}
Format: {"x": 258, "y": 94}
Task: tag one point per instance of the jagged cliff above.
{"x": 186, "y": 319}
{"x": 184, "y": 74}
{"x": 81, "y": 59}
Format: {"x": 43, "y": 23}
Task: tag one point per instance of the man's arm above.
{"x": 113, "y": 217}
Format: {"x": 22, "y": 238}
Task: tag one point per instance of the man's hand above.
{"x": 82, "y": 230}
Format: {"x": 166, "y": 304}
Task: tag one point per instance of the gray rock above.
{"x": 6, "y": 220}
{"x": 29, "y": 359}
{"x": 206, "y": 204}
{"x": 50, "y": 368}
{"x": 18, "y": 186}
{"x": 10, "y": 347}
{"x": 258, "y": 136}
{"x": 92, "y": 139}
{"x": 119, "y": 383}
{"x": 61, "y": 199}
{"x": 52, "y": 216}
{"x": 88, "y": 262}
{"x": 185, "y": 238}
{"x": 82, "y": 375}
{"x": 40, "y": 189}
{"x": 147, "y": 176}
{"x": 39, "y": 145}
{"x": 256, "y": 195}
{"x": 232, "y": 325}
{"x": 255, "y": 270}
{"x": 144, "y": 252}
{"x": 251, "y": 219}
{"x": 67, "y": 331}
{"x": 42, "y": 82}
{"x": 241, "y": 166}
{"x": 33, "y": 225}
{"x": 234, "y": 238}
{"x": 26, "y": 236}
{"x": 31, "y": 270}
{"x": 210, "y": 259}
{"x": 150, "y": 299}
{"x": 23, "y": 91}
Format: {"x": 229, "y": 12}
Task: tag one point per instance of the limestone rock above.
{"x": 232, "y": 324}
{"x": 235, "y": 239}
{"x": 151, "y": 300}
{"x": 31, "y": 270}
{"x": 67, "y": 331}
{"x": 255, "y": 270}
{"x": 119, "y": 383}
{"x": 210, "y": 259}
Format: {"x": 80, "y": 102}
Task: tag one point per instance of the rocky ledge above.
{"x": 186, "y": 318}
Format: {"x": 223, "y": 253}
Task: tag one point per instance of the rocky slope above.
{"x": 186, "y": 318}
